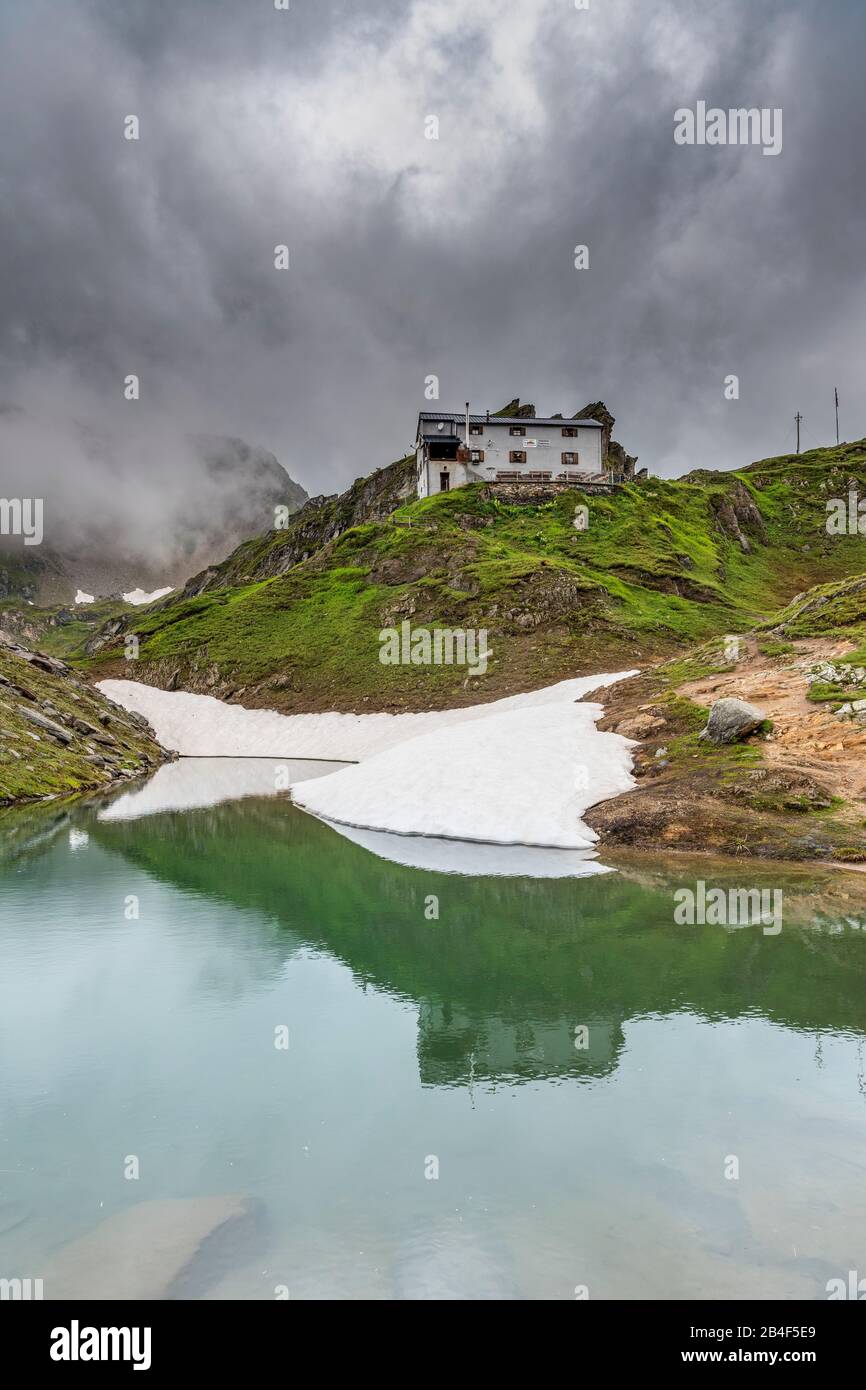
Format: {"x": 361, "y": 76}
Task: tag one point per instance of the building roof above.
{"x": 459, "y": 416}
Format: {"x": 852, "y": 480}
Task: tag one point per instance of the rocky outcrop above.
{"x": 736, "y": 514}
{"x": 841, "y": 673}
{"x": 320, "y": 520}
{"x": 60, "y": 737}
{"x": 614, "y": 455}
{"x": 515, "y": 411}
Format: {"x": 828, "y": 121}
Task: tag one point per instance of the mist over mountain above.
{"x": 138, "y": 506}
{"x": 454, "y": 256}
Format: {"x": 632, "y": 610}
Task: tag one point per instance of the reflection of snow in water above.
{"x": 193, "y": 783}
{"x": 468, "y": 857}
{"x": 196, "y": 783}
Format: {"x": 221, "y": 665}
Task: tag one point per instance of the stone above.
{"x": 640, "y": 726}
{"x": 84, "y": 728}
{"x": 41, "y": 722}
{"x": 731, "y": 720}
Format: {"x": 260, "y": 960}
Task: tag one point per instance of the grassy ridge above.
{"x": 59, "y": 737}
{"x": 662, "y": 563}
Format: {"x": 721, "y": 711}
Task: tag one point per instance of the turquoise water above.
{"x": 418, "y": 1042}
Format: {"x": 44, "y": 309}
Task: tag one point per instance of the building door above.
{"x": 444, "y": 482}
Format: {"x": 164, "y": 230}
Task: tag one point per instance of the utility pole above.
{"x": 836, "y": 394}
{"x": 798, "y": 417}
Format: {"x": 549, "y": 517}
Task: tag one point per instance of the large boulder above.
{"x": 731, "y": 720}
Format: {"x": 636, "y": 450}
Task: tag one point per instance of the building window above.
{"x": 477, "y": 455}
{"x": 476, "y": 429}
{"x": 517, "y": 456}
{"x": 569, "y": 433}
{"x": 570, "y": 459}
{"x": 517, "y": 429}
{"x": 444, "y": 482}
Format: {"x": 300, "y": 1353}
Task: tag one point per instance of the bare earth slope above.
{"x": 795, "y": 790}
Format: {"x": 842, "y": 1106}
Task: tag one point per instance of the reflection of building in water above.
{"x": 455, "y": 1048}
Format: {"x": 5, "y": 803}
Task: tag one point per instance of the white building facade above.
{"x": 453, "y": 449}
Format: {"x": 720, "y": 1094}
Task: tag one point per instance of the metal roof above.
{"x": 459, "y": 417}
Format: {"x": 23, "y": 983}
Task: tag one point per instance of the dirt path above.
{"x": 797, "y": 792}
{"x": 806, "y": 737}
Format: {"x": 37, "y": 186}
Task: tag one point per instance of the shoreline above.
{"x": 657, "y": 791}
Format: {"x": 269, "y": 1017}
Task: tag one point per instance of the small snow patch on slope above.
{"x": 138, "y": 596}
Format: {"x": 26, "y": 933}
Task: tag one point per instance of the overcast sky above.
{"x": 412, "y": 256}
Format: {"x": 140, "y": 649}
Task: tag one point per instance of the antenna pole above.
{"x": 798, "y": 417}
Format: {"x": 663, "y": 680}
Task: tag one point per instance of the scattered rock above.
{"x": 41, "y": 722}
{"x": 640, "y": 726}
{"x": 82, "y": 727}
{"x": 836, "y": 673}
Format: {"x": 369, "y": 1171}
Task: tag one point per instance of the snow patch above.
{"x": 518, "y": 771}
{"x": 82, "y": 597}
{"x": 520, "y": 777}
{"x": 138, "y": 596}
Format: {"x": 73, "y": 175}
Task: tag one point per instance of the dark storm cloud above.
{"x": 411, "y": 256}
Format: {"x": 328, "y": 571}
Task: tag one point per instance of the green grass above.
{"x": 34, "y": 764}
{"x": 770, "y": 648}
{"x": 658, "y": 568}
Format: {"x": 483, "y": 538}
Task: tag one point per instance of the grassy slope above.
{"x": 660, "y": 565}
{"x": 106, "y": 746}
{"x": 58, "y": 630}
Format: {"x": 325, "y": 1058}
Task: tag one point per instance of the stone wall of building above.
{"x": 526, "y": 494}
